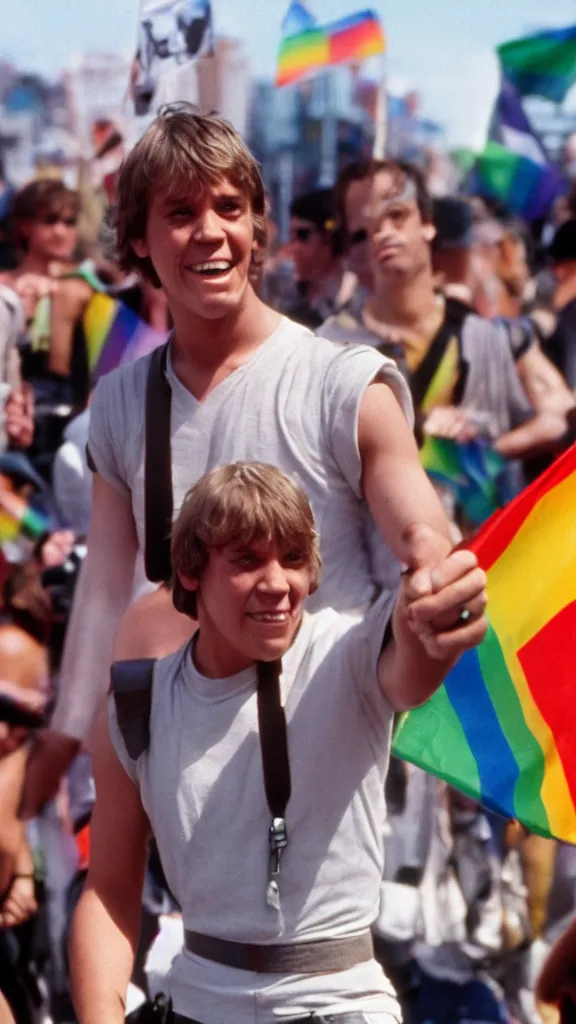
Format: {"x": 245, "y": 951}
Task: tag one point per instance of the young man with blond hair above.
{"x": 242, "y": 382}
{"x": 264, "y": 938}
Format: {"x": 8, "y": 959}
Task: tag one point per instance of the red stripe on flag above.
{"x": 501, "y": 528}
{"x": 548, "y": 666}
{"x": 348, "y": 43}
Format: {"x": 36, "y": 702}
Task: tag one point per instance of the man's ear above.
{"x": 428, "y": 232}
{"x": 140, "y": 247}
{"x": 188, "y": 582}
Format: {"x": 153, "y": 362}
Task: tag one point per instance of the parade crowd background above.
{"x": 471, "y": 902}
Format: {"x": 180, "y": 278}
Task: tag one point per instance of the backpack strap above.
{"x": 158, "y": 497}
{"x": 131, "y": 685}
{"x": 451, "y": 327}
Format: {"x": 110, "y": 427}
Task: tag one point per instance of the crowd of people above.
{"x": 240, "y": 523}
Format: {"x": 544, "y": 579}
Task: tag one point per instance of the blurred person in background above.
{"x": 492, "y": 382}
{"x": 316, "y": 249}
{"x": 561, "y": 346}
{"x": 350, "y": 197}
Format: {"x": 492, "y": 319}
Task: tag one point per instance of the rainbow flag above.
{"x": 474, "y": 472}
{"x": 114, "y": 334}
{"x": 354, "y": 38}
{"x": 501, "y": 728}
{"x": 543, "y": 64}
{"x": 18, "y": 519}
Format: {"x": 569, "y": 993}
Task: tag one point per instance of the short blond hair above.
{"x": 238, "y": 504}
{"x": 182, "y": 149}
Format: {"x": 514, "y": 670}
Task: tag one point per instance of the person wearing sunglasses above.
{"x": 316, "y": 250}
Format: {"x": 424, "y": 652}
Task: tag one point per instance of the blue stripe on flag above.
{"x": 496, "y": 763}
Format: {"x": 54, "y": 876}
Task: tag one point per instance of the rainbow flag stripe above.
{"x": 114, "y": 334}
{"x": 18, "y": 519}
{"x": 501, "y": 727}
{"x": 354, "y": 38}
{"x": 474, "y": 473}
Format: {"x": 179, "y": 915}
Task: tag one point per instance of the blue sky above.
{"x": 442, "y": 48}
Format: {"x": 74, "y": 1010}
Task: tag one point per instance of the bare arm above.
{"x": 544, "y": 384}
{"x": 538, "y": 436}
{"x": 106, "y": 924}
{"x": 398, "y": 492}
{"x": 69, "y": 301}
{"x": 102, "y": 594}
{"x": 12, "y": 838}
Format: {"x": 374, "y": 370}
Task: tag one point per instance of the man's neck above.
{"x": 204, "y": 352}
{"x": 408, "y": 306}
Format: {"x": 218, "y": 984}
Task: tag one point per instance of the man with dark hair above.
{"x": 466, "y": 369}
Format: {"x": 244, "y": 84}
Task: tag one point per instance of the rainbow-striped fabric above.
{"x": 114, "y": 334}
{"x": 18, "y": 519}
{"x": 354, "y": 38}
{"x": 501, "y": 728}
{"x": 473, "y": 472}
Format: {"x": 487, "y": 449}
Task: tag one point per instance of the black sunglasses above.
{"x": 358, "y": 237}
{"x": 56, "y": 218}
{"x": 301, "y": 234}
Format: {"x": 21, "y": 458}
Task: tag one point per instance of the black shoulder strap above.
{"x": 131, "y": 684}
{"x": 273, "y": 738}
{"x": 420, "y": 380}
{"x": 158, "y": 497}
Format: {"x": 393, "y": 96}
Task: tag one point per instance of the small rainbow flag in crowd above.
{"x": 474, "y": 473}
{"x": 501, "y": 728}
{"x": 354, "y": 38}
{"x": 18, "y": 519}
{"x": 114, "y": 334}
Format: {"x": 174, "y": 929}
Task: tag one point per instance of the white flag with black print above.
{"x": 171, "y": 35}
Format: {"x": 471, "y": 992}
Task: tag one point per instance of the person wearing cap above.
{"x": 452, "y": 248}
{"x": 316, "y": 249}
{"x": 561, "y": 347}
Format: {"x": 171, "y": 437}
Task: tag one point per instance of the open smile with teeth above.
{"x": 275, "y": 617}
{"x": 211, "y": 268}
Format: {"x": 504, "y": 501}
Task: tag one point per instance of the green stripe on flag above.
{"x": 525, "y": 748}
{"x": 432, "y": 738}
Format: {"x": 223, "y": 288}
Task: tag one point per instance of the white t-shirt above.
{"x": 295, "y": 405}
{"x": 201, "y": 784}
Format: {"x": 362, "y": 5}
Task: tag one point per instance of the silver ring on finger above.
{"x": 464, "y": 617}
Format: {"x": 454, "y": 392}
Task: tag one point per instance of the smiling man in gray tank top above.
{"x": 244, "y": 383}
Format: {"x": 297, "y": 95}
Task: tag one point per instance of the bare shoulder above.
{"x": 382, "y": 419}
{"x": 152, "y": 628}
